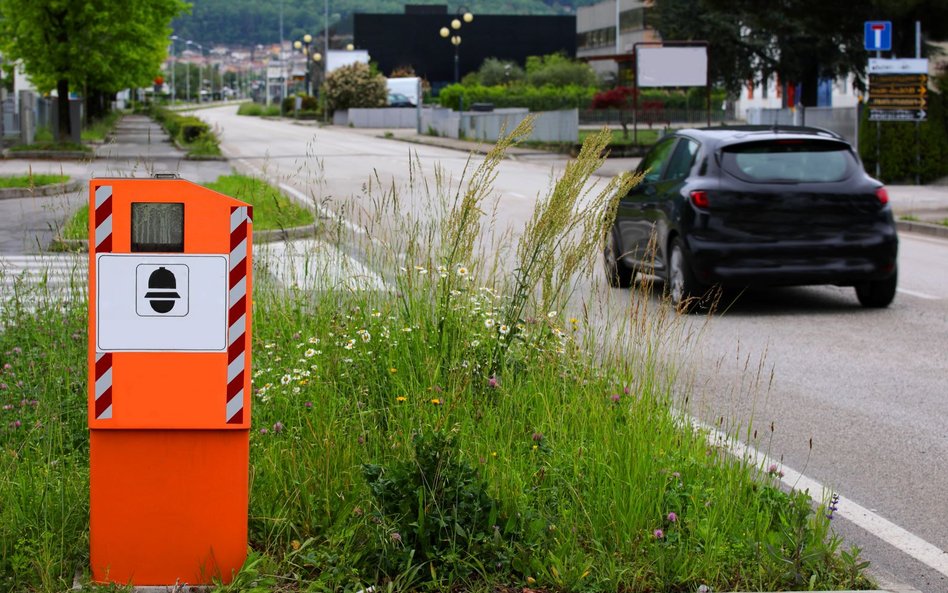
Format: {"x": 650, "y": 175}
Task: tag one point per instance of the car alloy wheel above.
{"x": 683, "y": 288}
{"x": 618, "y": 273}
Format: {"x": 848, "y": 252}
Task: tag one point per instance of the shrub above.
{"x": 559, "y": 70}
{"x": 195, "y": 134}
{"x": 548, "y": 98}
{"x": 309, "y": 103}
{"x": 898, "y": 142}
{"x": 355, "y": 86}
{"x": 190, "y": 129}
{"x": 499, "y": 72}
{"x": 250, "y": 109}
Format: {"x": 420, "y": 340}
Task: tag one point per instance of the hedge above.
{"x": 550, "y": 98}
{"x": 546, "y": 98}
{"x": 898, "y": 145}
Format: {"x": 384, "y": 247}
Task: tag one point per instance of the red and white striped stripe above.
{"x": 103, "y": 385}
{"x": 103, "y": 219}
{"x": 103, "y": 360}
{"x": 240, "y": 218}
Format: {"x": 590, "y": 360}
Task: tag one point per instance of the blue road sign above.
{"x": 878, "y": 36}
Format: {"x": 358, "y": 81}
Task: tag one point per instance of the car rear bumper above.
{"x": 793, "y": 264}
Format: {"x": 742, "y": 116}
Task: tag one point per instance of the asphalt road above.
{"x": 856, "y": 398}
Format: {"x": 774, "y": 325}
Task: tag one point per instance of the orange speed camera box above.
{"x": 169, "y": 381}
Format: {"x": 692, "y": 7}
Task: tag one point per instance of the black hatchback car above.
{"x": 755, "y": 206}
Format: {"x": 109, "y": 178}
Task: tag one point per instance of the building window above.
{"x": 632, "y": 20}
{"x": 596, "y": 38}
{"x": 764, "y": 86}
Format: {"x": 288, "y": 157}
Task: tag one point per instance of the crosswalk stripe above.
{"x": 59, "y": 271}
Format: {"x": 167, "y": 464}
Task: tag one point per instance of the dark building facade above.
{"x": 413, "y": 39}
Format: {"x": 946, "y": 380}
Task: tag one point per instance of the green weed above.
{"x": 31, "y": 180}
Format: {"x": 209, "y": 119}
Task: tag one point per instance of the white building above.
{"x": 607, "y": 32}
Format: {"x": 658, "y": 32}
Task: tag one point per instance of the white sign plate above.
{"x": 672, "y": 66}
{"x": 161, "y": 303}
{"x": 900, "y": 66}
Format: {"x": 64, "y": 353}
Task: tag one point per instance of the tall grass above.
{"x": 479, "y": 422}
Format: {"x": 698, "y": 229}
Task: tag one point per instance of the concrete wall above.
{"x": 383, "y": 117}
{"x": 549, "y": 126}
{"x": 841, "y": 120}
{"x": 440, "y": 121}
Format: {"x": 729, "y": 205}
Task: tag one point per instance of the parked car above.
{"x": 755, "y": 206}
{"x": 399, "y": 100}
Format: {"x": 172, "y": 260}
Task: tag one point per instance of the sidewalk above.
{"x": 138, "y": 148}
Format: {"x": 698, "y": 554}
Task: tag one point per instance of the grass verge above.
{"x": 256, "y": 109}
{"x": 187, "y": 130}
{"x": 102, "y": 127}
{"x": 51, "y": 147}
{"x": 453, "y": 430}
{"x": 31, "y": 180}
{"x": 271, "y": 208}
{"x": 645, "y": 137}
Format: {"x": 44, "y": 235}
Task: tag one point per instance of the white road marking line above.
{"x": 920, "y": 295}
{"x": 322, "y": 211}
{"x": 897, "y": 537}
{"x": 516, "y": 195}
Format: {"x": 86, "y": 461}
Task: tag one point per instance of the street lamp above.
{"x": 465, "y": 16}
{"x": 173, "y": 67}
{"x": 200, "y": 70}
{"x": 306, "y": 47}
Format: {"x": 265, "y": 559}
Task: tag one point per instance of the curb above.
{"x": 39, "y": 191}
{"x": 49, "y": 155}
{"x": 61, "y": 244}
{"x": 923, "y": 228}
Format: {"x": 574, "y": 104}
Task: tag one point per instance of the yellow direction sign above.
{"x": 902, "y": 92}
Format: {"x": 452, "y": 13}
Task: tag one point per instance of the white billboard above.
{"x": 672, "y": 66}
{"x": 338, "y": 58}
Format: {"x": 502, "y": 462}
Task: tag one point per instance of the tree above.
{"x": 800, "y": 41}
{"x": 621, "y": 98}
{"x": 559, "y": 70}
{"x": 90, "y": 46}
{"x": 499, "y": 72}
{"x": 355, "y": 85}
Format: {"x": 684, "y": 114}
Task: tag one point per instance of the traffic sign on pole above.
{"x": 878, "y": 36}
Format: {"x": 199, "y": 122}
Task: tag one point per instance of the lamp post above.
{"x": 200, "y": 70}
{"x": 453, "y": 34}
{"x": 173, "y": 68}
{"x": 187, "y": 78}
{"x": 306, "y": 47}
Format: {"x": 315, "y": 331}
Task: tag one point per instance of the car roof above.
{"x": 724, "y": 135}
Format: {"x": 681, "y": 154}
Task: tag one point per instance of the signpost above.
{"x": 898, "y": 90}
{"x": 878, "y": 36}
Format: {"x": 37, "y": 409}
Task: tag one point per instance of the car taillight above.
{"x": 883, "y": 196}
{"x": 699, "y": 198}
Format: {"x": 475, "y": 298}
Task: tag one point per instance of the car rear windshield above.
{"x": 789, "y": 161}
